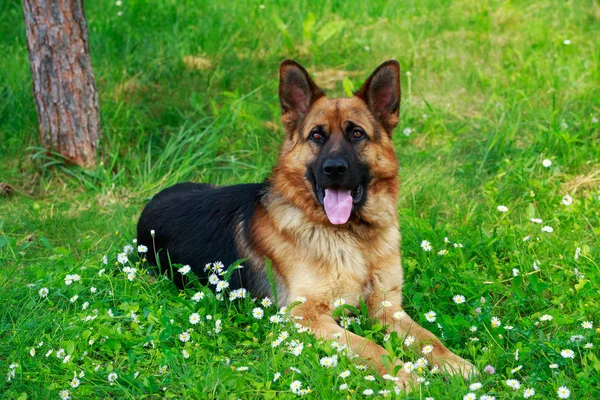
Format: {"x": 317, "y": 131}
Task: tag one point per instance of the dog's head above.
{"x": 338, "y": 154}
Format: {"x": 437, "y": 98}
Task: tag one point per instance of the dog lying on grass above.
{"x": 326, "y": 218}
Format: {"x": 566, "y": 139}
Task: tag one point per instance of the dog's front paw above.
{"x": 458, "y": 366}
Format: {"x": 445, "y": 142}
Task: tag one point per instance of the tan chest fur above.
{"x": 326, "y": 263}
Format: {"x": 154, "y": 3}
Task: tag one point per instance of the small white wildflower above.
{"x": 496, "y": 322}
{"x": 427, "y": 349}
{"x": 184, "y": 336}
{"x": 195, "y": 318}
{"x": 426, "y": 245}
{"x": 459, "y": 299}
{"x": 587, "y": 325}
{"x": 407, "y": 131}
{"x": 185, "y": 354}
{"x": 142, "y": 249}
{"x": 470, "y": 396}
{"x": 409, "y": 340}
{"x": 475, "y": 386}
{"x": 547, "y": 163}
{"x": 344, "y": 374}
{"x": 546, "y": 317}
{"x": 567, "y": 200}
{"x": 547, "y": 229}
{"x": 295, "y": 386}
{"x": 368, "y": 392}
{"x": 122, "y": 258}
{"x": 408, "y": 367}
{"x": 513, "y": 383}
{"x": 567, "y": 353}
{"x": 198, "y": 296}
{"x": 515, "y": 272}
{"x": 64, "y": 395}
{"x": 398, "y": 315}
{"x": 553, "y": 366}
{"x": 213, "y": 279}
{"x": 588, "y": 346}
{"x": 112, "y": 377}
{"x": 43, "y": 292}
{"x": 184, "y": 270}
{"x": 258, "y": 313}
{"x": 75, "y": 383}
{"x": 222, "y": 285}
{"x": 566, "y": 42}
{"x": 266, "y": 302}
{"x": 536, "y": 220}
{"x": 502, "y": 209}
{"x": 386, "y": 303}
{"x": 529, "y": 392}
{"x": 329, "y": 362}
{"x": 74, "y": 298}
{"x": 430, "y": 316}
{"x": 32, "y": 352}
{"x": 563, "y": 392}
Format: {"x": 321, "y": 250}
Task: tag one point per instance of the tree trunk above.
{"x": 63, "y": 81}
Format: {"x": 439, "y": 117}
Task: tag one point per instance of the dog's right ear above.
{"x": 297, "y": 93}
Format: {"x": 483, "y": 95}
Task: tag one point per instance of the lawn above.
{"x": 499, "y": 147}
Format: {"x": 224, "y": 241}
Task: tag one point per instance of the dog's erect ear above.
{"x": 381, "y": 92}
{"x": 297, "y": 93}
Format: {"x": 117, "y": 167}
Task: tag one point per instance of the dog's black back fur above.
{"x": 196, "y": 224}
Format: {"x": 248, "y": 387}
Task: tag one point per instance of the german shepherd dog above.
{"x": 326, "y": 218}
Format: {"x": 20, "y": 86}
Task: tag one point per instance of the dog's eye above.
{"x": 357, "y": 134}
{"x": 316, "y": 136}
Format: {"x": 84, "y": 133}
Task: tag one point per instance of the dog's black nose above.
{"x": 335, "y": 167}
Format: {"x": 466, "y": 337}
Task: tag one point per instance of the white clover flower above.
{"x": 459, "y": 299}
{"x": 184, "y": 336}
{"x": 426, "y": 245}
{"x": 587, "y": 325}
{"x": 527, "y": 393}
{"x": 430, "y": 316}
{"x": 398, "y": 315}
{"x": 427, "y": 349}
{"x": 567, "y": 200}
{"x": 567, "y": 353}
{"x": 407, "y": 131}
{"x": 258, "y": 313}
{"x": 546, "y": 317}
{"x": 547, "y": 163}
{"x": 475, "y": 386}
{"x": 112, "y": 377}
{"x": 513, "y": 383}
{"x": 386, "y": 303}
{"x": 184, "y": 270}
{"x": 43, "y": 292}
{"x": 409, "y": 340}
{"x": 563, "y": 392}
{"x": 195, "y": 318}
{"x": 502, "y": 209}
{"x": 496, "y": 322}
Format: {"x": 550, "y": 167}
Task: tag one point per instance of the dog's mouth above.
{"x": 339, "y": 202}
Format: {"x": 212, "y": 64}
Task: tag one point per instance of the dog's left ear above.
{"x": 297, "y": 93}
{"x": 381, "y": 92}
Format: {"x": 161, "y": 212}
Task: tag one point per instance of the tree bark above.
{"x": 63, "y": 82}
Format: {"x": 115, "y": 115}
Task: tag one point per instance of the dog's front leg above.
{"x": 318, "y": 318}
{"x": 385, "y": 304}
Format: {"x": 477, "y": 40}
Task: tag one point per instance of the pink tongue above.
{"x": 338, "y": 205}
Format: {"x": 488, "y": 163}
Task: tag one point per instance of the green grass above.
{"x": 492, "y": 91}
